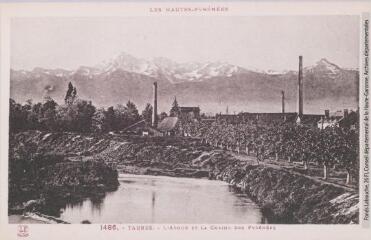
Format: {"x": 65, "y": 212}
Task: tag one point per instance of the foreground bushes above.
{"x": 37, "y": 175}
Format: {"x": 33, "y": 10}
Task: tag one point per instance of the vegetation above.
{"x": 174, "y": 111}
{"x": 36, "y": 176}
{"x": 75, "y": 115}
{"x": 330, "y": 147}
{"x": 289, "y": 196}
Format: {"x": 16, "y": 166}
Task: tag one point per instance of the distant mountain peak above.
{"x": 324, "y": 61}
{"x": 212, "y": 84}
{"x": 324, "y": 65}
{"x": 166, "y": 68}
{"x": 176, "y": 72}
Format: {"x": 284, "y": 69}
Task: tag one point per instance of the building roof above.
{"x": 189, "y": 109}
{"x": 351, "y": 118}
{"x": 168, "y": 124}
{"x": 310, "y": 118}
{"x": 208, "y": 119}
{"x": 333, "y": 119}
{"x": 338, "y": 114}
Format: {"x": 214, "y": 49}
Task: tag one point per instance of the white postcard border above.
{"x": 76, "y": 231}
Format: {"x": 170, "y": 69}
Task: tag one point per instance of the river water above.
{"x": 153, "y": 199}
{"x": 158, "y": 199}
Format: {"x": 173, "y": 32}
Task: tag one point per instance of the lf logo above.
{"x": 22, "y": 231}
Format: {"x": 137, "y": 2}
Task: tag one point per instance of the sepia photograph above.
{"x": 184, "y": 120}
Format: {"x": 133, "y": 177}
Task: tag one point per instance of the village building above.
{"x": 279, "y": 117}
{"x": 191, "y": 112}
{"x": 170, "y": 126}
{"x": 343, "y": 119}
{"x": 308, "y": 119}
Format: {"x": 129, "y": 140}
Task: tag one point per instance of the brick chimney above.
{"x": 300, "y": 87}
{"x": 346, "y": 113}
{"x": 154, "y": 112}
{"x": 327, "y": 114}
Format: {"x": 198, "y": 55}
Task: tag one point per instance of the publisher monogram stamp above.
{"x": 23, "y": 231}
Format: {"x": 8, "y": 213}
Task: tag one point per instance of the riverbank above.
{"x": 284, "y": 196}
{"x": 42, "y": 182}
{"x": 291, "y": 198}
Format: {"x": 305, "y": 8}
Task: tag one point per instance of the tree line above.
{"x": 74, "y": 115}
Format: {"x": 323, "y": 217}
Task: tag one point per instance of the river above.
{"x": 157, "y": 199}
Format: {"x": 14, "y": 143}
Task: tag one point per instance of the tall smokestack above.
{"x": 300, "y": 87}
{"x": 154, "y": 112}
{"x": 283, "y": 101}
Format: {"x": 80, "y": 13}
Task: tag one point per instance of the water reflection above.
{"x": 149, "y": 199}
{"x": 153, "y": 203}
{"x": 97, "y": 204}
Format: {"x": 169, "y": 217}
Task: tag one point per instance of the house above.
{"x": 170, "y": 126}
{"x": 192, "y": 112}
{"x": 351, "y": 121}
{"x": 308, "y": 119}
{"x": 342, "y": 119}
{"x": 228, "y": 118}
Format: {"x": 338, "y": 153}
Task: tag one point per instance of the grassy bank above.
{"x": 284, "y": 196}
{"x": 44, "y": 181}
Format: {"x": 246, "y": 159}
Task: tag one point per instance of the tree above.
{"x": 124, "y": 116}
{"x": 162, "y": 116}
{"x": 98, "y": 120}
{"x": 346, "y": 154}
{"x": 147, "y": 113}
{"x": 17, "y": 117}
{"x": 47, "y": 114}
{"x": 131, "y": 113}
{"x": 84, "y": 111}
{"x": 74, "y": 93}
{"x": 34, "y": 116}
{"x": 70, "y": 94}
{"x": 109, "y": 120}
{"x": 75, "y": 117}
{"x": 174, "y": 111}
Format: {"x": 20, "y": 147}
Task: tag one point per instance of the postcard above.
{"x": 193, "y": 120}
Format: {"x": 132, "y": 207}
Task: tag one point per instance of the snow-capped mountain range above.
{"x": 175, "y": 72}
{"x": 164, "y": 68}
{"x": 126, "y": 77}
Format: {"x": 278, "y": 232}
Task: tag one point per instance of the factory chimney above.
{"x": 283, "y": 101}
{"x": 300, "y": 88}
{"x": 154, "y": 112}
{"x": 346, "y": 113}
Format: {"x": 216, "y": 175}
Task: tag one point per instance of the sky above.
{"x": 253, "y": 42}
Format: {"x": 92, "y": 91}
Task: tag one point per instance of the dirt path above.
{"x": 286, "y": 167}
